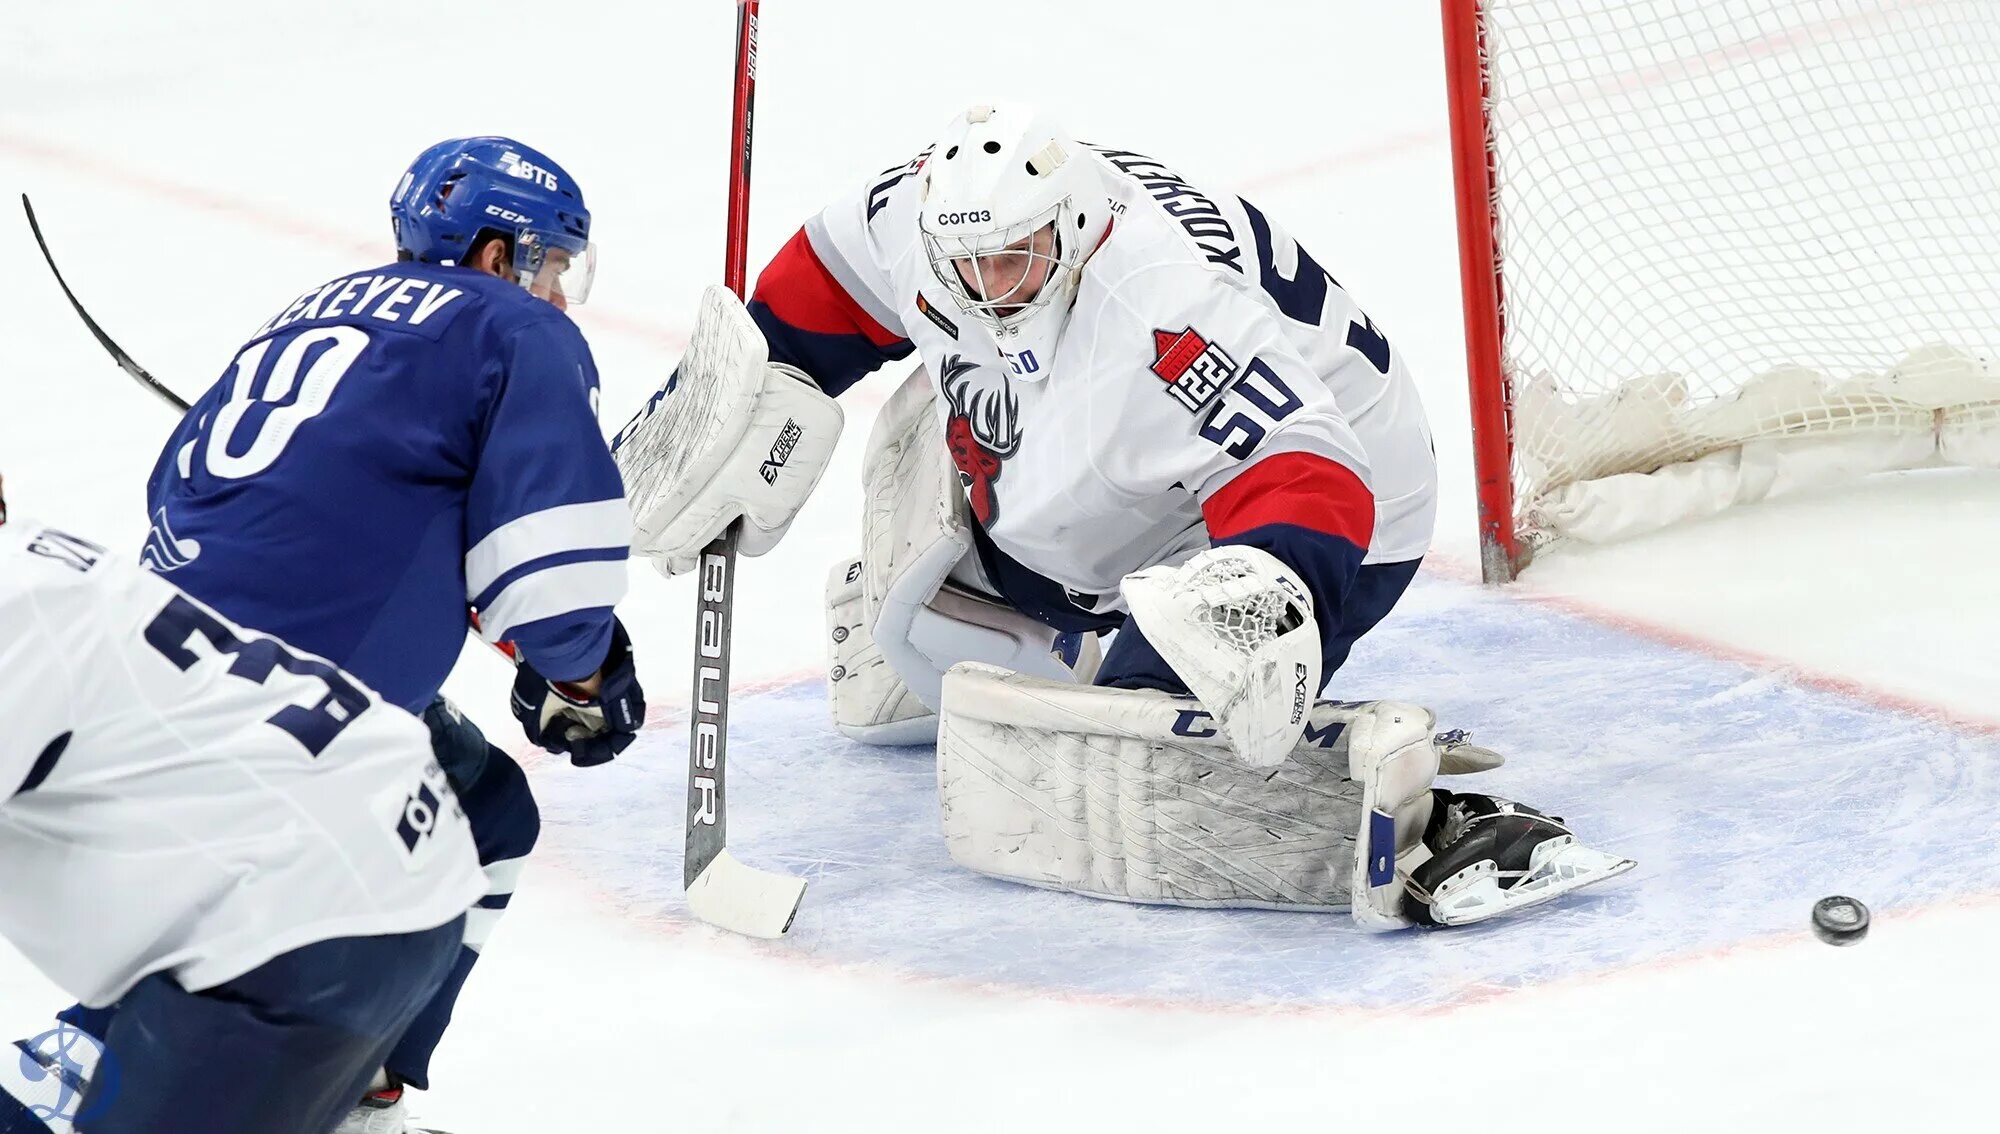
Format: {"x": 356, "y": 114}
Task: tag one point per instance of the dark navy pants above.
{"x": 1133, "y": 663}
{"x": 498, "y": 804}
{"x": 505, "y": 823}
{"x": 286, "y": 1048}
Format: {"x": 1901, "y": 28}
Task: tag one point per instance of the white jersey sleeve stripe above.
{"x": 1285, "y": 441}
{"x": 851, "y": 280}
{"x": 551, "y": 531}
{"x": 551, "y": 592}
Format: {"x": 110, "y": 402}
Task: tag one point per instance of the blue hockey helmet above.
{"x": 462, "y": 187}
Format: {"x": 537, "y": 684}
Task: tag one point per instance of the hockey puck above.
{"x": 1839, "y": 921}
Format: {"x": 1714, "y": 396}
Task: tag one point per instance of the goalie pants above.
{"x": 286, "y": 1048}
{"x": 1132, "y": 662}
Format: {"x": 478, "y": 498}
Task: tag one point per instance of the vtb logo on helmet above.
{"x": 528, "y": 171}
{"x": 463, "y": 187}
{"x": 1012, "y": 207}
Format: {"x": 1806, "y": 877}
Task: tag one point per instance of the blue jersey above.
{"x": 390, "y": 447}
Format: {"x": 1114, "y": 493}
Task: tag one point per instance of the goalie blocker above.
{"x": 730, "y": 437}
{"x": 1134, "y": 795}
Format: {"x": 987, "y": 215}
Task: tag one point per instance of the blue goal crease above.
{"x": 1743, "y": 798}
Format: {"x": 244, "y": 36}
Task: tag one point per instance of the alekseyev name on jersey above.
{"x": 446, "y": 410}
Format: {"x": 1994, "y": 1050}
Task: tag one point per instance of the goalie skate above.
{"x": 1478, "y": 872}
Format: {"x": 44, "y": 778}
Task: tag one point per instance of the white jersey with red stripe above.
{"x": 1205, "y": 349}
{"x": 180, "y": 795}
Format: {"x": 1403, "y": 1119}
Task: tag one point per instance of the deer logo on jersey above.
{"x": 982, "y": 430}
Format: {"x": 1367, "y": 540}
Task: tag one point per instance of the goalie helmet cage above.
{"x": 1718, "y": 250}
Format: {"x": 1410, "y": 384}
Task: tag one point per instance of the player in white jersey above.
{"x": 1162, "y": 415}
{"x": 242, "y": 848}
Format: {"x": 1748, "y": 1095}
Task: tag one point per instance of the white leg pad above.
{"x": 870, "y": 702}
{"x": 916, "y": 533}
{"x": 915, "y": 530}
{"x": 1135, "y": 795}
{"x": 1393, "y": 756}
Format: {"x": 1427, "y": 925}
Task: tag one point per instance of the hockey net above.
{"x": 1718, "y": 250}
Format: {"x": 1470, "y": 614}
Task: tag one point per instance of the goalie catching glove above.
{"x": 591, "y": 729}
{"x": 731, "y": 436}
{"x": 1236, "y": 624}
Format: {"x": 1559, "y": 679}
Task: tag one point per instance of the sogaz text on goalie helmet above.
{"x": 1012, "y": 206}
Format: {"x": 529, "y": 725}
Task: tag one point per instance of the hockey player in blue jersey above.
{"x": 404, "y": 442}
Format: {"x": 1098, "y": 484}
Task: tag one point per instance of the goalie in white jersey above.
{"x": 1143, "y": 407}
{"x": 240, "y": 847}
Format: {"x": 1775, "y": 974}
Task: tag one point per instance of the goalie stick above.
{"x": 720, "y": 890}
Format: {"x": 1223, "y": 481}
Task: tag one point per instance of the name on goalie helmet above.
{"x": 1194, "y": 369}
{"x": 781, "y": 450}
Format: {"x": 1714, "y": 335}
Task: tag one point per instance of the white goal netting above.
{"x": 1762, "y": 237}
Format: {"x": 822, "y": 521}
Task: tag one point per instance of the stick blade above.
{"x": 743, "y": 899}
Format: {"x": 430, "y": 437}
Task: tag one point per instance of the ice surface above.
{"x": 197, "y": 164}
{"x": 1743, "y": 798}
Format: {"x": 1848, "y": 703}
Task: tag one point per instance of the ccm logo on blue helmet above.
{"x": 507, "y": 214}
{"x": 982, "y": 216}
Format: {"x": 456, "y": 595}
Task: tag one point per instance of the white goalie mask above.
{"x": 1012, "y": 207}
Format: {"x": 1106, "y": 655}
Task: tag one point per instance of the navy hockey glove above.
{"x": 591, "y": 730}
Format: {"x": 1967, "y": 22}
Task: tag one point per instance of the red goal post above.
{"x": 1472, "y": 158}
{"x": 1715, "y": 251}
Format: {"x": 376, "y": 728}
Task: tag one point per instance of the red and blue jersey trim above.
{"x": 1302, "y": 489}
{"x": 811, "y": 321}
{"x": 1314, "y": 514}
